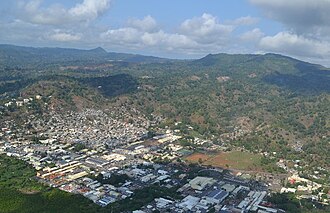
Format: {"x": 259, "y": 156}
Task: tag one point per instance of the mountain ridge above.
{"x": 12, "y": 55}
{"x": 12, "y": 52}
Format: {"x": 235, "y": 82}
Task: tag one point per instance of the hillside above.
{"x": 264, "y": 103}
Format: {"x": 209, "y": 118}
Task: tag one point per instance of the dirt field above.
{"x": 194, "y": 158}
{"x": 232, "y": 160}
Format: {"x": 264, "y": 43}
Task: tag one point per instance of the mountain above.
{"x": 274, "y": 68}
{"x": 13, "y": 56}
{"x": 264, "y": 103}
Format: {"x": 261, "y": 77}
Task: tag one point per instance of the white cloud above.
{"x": 18, "y": 31}
{"x": 133, "y": 38}
{"x": 299, "y": 15}
{"x": 246, "y": 20}
{"x": 147, "y": 24}
{"x": 205, "y": 29}
{"x": 197, "y": 35}
{"x": 306, "y": 28}
{"x": 63, "y": 36}
{"x": 56, "y": 14}
{"x": 126, "y": 35}
{"x": 168, "y": 40}
{"x": 89, "y": 9}
{"x": 252, "y": 35}
{"x": 296, "y": 45}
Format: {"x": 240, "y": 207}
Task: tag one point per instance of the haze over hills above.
{"x": 23, "y": 56}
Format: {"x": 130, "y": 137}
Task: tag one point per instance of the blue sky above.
{"x": 175, "y": 29}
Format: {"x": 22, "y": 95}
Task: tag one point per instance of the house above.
{"x": 199, "y": 183}
{"x": 97, "y": 161}
{"x": 163, "y": 203}
{"x": 189, "y": 202}
{"x": 228, "y": 187}
{"x": 216, "y": 196}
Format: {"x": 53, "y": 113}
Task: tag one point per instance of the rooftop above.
{"x": 199, "y": 183}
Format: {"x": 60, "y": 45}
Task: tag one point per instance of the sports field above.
{"x": 232, "y": 160}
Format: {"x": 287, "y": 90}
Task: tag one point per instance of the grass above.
{"x": 232, "y": 160}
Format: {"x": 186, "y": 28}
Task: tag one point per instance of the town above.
{"x": 107, "y": 156}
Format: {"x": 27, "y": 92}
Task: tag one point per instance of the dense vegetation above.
{"x": 221, "y": 93}
{"x": 20, "y": 192}
{"x": 17, "y": 175}
{"x": 290, "y": 204}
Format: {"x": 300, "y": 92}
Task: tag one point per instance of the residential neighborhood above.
{"x": 106, "y": 157}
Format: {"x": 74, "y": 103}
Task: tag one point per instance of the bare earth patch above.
{"x": 29, "y": 191}
{"x": 232, "y": 160}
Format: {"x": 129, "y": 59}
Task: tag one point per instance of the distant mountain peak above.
{"x": 98, "y": 50}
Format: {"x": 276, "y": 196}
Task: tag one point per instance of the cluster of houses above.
{"x": 204, "y": 194}
{"x": 72, "y": 150}
{"x": 59, "y": 164}
{"x": 22, "y": 101}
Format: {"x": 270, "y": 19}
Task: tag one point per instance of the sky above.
{"x": 172, "y": 28}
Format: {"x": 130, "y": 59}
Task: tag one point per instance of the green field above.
{"x": 236, "y": 160}
{"x": 231, "y": 160}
